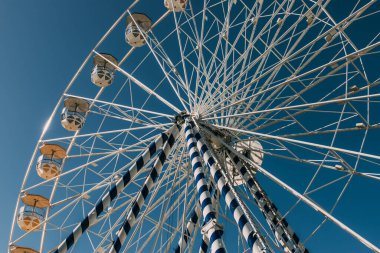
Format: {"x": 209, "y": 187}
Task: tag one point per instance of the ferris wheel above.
{"x": 216, "y": 125}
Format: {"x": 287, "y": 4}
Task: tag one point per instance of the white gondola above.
{"x": 233, "y": 173}
{"x": 31, "y": 215}
{"x": 18, "y": 249}
{"x": 74, "y": 113}
{"x": 250, "y": 149}
{"x": 50, "y": 161}
{"x": 137, "y": 24}
{"x": 102, "y": 74}
{"x": 175, "y": 5}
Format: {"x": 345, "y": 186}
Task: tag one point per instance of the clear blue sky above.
{"x": 42, "y": 43}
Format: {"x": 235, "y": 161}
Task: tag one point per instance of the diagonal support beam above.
{"x": 205, "y": 241}
{"x": 204, "y": 245}
{"x": 192, "y": 223}
{"x": 131, "y": 218}
{"x": 93, "y": 215}
{"x": 304, "y": 199}
{"x": 280, "y": 227}
{"x": 190, "y": 226}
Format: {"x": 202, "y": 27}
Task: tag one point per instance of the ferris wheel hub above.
{"x": 180, "y": 118}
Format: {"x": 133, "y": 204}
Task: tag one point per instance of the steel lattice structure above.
{"x": 229, "y": 125}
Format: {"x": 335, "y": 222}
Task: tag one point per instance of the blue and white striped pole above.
{"x": 211, "y": 228}
{"x": 131, "y": 218}
{"x": 250, "y": 234}
{"x": 190, "y": 226}
{"x": 93, "y": 215}
{"x": 280, "y": 227}
{"x": 204, "y": 245}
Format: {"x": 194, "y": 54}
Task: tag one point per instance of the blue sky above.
{"x": 42, "y": 44}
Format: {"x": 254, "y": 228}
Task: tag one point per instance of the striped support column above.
{"x": 130, "y": 220}
{"x": 280, "y": 227}
{"x": 190, "y": 226}
{"x": 204, "y": 245}
{"x": 251, "y": 234}
{"x": 211, "y": 227}
{"x": 93, "y": 215}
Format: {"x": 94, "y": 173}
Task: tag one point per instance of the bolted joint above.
{"x": 180, "y": 118}
{"x": 212, "y": 224}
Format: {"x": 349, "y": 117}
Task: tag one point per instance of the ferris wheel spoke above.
{"x": 341, "y": 130}
{"x": 242, "y": 57}
{"x": 72, "y": 170}
{"x": 199, "y": 46}
{"x": 224, "y": 35}
{"x": 274, "y": 43}
{"x": 309, "y": 105}
{"x": 175, "y": 66}
{"x": 247, "y": 55}
{"x": 345, "y": 23}
{"x": 364, "y": 88}
{"x": 120, "y": 115}
{"x": 305, "y": 199}
{"x": 352, "y": 56}
{"x": 300, "y": 142}
{"x": 334, "y": 159}
{"x": 343, "y": 189}
{"x": 299, "y": 94}
{"x": 140, "y": 84}
{"x": 105, "y": 133}
{"x": 153, "y": 44}
{"x": 187, "y": 83}
{"x": 118, "y": 106}
{"x": 252, "y": 43}
{"x": 282, "y": 84}
{"x": 218, "y": 47}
